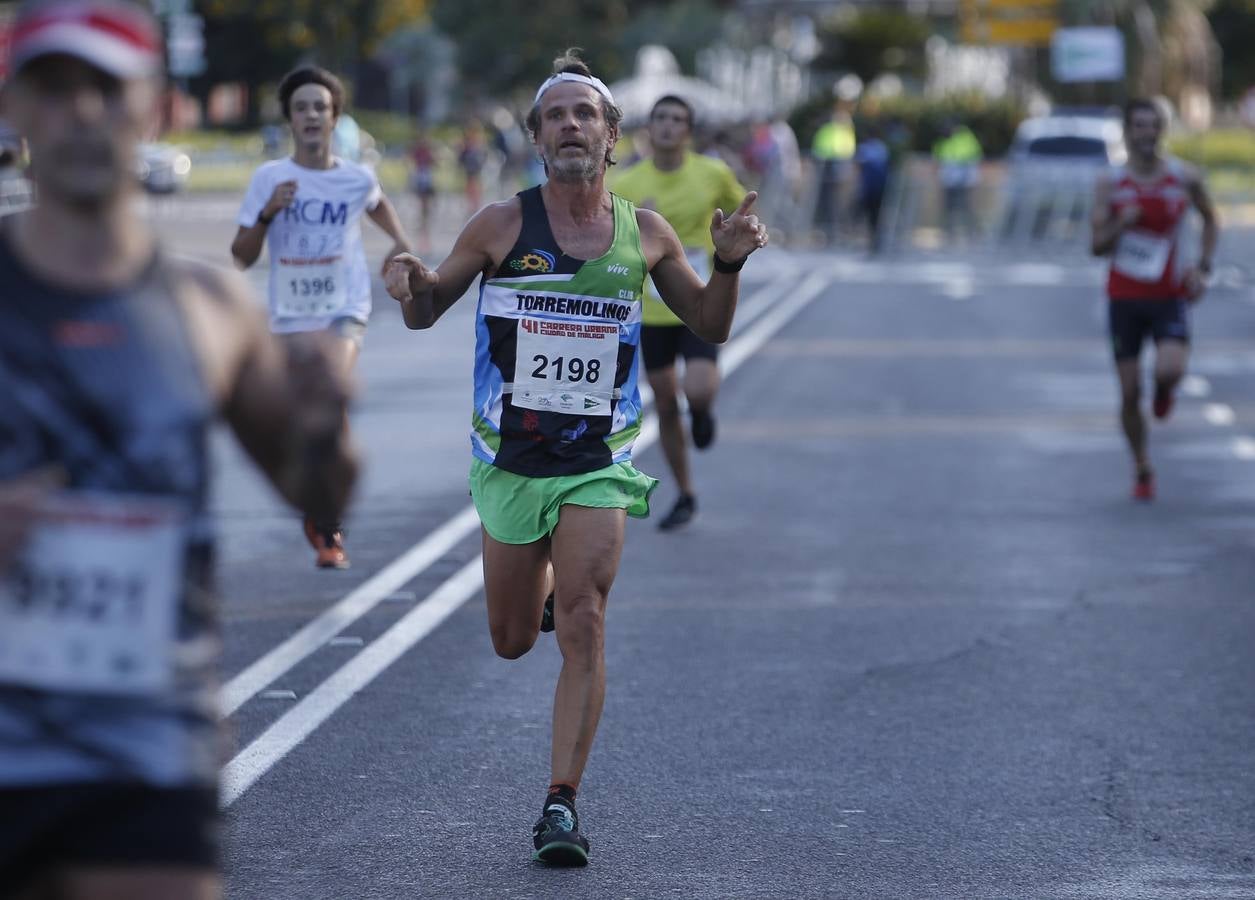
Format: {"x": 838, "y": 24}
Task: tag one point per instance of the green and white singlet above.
{"x": 555, "y": 353}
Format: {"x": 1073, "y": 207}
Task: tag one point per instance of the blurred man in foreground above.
{"x": 115, "y": 361}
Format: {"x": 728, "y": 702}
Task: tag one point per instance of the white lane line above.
{"x": 1195, "y": 386}
{"x": 333, "y": 620}
{"x": 959, "y": 289}
{"x": 290, "y": 729}
{"x": 1219, "y": 414}
{"x": 294, "y": 726}
{"x": 385, "y": 584}
{"x": 1244, "y": 448}
{"x": 750, "y": 340}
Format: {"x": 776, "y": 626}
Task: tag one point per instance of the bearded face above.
{"x": 574, "y": 137}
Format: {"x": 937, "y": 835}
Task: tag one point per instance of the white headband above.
{"x": 595, "y": 83}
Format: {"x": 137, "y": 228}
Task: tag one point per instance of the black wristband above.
{"x": 261, "y": 217}
{"x": 729, "y": 267}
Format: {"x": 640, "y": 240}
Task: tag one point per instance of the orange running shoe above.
{"x": 328, "y": 544}
{"x": 1144, "y": 487}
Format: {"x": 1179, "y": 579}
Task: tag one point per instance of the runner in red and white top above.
{"x": 1139, "y": 213}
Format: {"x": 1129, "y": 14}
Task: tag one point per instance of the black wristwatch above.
{"x": 727, "y": 268}
{"x": 265, "y": 221}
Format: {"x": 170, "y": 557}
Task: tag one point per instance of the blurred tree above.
{"x": 1233, "y": 22}
{"x": 256, "y": 41}
{"x": 502, "y": 54}
{"x": 1171, "y": 49}
{"x": 874, "y": 42}
{"x": 497, "y": 53}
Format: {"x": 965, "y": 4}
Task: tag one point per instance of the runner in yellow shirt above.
{"x": 685, "y": 188}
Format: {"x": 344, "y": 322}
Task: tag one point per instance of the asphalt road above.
{"x": 918, "y": 643}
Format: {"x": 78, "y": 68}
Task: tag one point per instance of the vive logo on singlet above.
{"x": 617, "y": 269}
{"x": 317, "y": 212}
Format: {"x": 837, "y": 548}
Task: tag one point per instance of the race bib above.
{"x": 566, "y": 366}
{"x": 1142, "y": 256}
{"x": 306, "y": 288}
{"x": 91, "y": 604}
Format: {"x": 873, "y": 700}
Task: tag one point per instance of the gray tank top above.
{"x": 106, "y": 385}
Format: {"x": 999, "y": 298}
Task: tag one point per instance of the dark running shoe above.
{"x": 1144, "y": 487}
{"x": 557, "y": 837}
{"x": 703, "y": 429}
{"x": 681, "y": 514}
{"x": 328, "y": 544}
{"x": 1162, "y": 405}
{"x": 546, "y": 618}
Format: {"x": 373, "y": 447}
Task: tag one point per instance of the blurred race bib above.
{"x": 91, "y": 604}
{"x": 1142, "y": 256}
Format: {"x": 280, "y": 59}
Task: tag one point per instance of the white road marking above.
{"x": 1219, "y": 414}
{"x": 959, "y": 289}
{"x": 1035, "y": 274}
{"x": 300, "y": 721}
{"x": 1195, "y": 386}
{"x": 335, "y": 619}
{"x": 1244, "y": 448}
{"x": 293, "y": 727}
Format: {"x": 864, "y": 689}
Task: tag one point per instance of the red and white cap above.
{"x": 118, "y": 38}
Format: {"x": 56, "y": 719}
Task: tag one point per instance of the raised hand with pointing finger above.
{"x": 740, "y": 234}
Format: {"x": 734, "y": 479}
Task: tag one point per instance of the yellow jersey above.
{"x": 686, "y": 197}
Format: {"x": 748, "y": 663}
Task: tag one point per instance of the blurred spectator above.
{"x": 872, "y": 157}
{"x": 472, "y": 157}
{"x": 346, "y": 140}
{"x": 718, "y": 144}
{"x": 832, "y": 149}
{"x": 10, "y": 152}
{"x": 958, "y": 156}
{"x": 423, "y": 184}
{"x": 760, "y": 155}
{"x": 272, "y": 140}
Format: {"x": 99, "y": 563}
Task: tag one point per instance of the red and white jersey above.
{"x": 1145, "y": 264}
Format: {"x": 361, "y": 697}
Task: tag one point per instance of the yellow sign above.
{"x": 1022, "y": 22}
{"x": 1028, "y": 32}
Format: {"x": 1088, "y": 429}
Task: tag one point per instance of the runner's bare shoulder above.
{"x": 493, "y": 230}
{"x": 224, "y": 317}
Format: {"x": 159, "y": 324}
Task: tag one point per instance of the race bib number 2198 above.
{"x": 566, "y": 366}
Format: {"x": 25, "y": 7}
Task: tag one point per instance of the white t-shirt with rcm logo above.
{"x": 318, "y": 269}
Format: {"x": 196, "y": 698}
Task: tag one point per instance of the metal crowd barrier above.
{"x": 16, "y": 195}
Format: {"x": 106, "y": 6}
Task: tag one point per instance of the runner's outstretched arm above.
{"x": 286, "y": 403}
{"x": 425, "y": 294}
{"x": 1207, "y": 210}
{"x": 708, "y": 308}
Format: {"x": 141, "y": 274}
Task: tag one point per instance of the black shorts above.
{"x": 661, "y": 344}
{"x": 105, "y": 825}
{"x": 1132, "y": 320}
